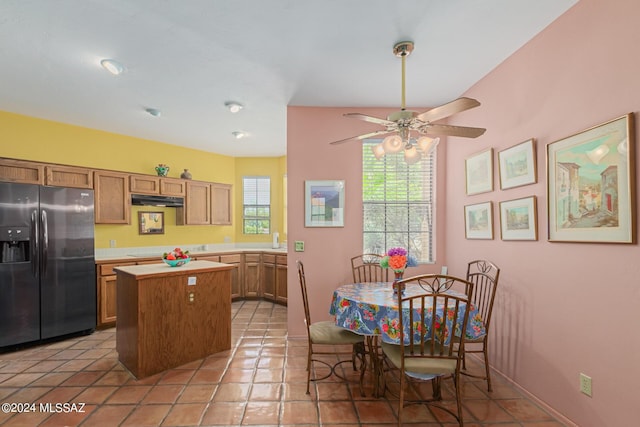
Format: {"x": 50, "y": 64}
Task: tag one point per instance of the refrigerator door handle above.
{"x": 45, "y": 242}
{"x": 35, "y": 243}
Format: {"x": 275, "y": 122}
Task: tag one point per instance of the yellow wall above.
{"x": 29, "y": 138}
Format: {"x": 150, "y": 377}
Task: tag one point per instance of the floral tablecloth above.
{"x": 371, "y": 309}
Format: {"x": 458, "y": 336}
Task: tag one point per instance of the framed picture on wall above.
{"x": 518, "y": 219}
{"x": 517, "y": 165}
{"x": 479, "y": 172}
{"x": 478, "y": 221}
{"x": 324, "y": 203}
{"x": 591, "y": 184}
{"x": 150, "y": 222}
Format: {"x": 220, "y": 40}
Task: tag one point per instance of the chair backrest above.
{"x": 305, "y": 297}
{"x": 430, "y": 336}
{"x": 484, "y": 275}
{"x": 366, "y": 268}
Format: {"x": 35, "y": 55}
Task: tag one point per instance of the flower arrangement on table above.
{"x": 176, "y": 257}
{"x": 398, "y": 260}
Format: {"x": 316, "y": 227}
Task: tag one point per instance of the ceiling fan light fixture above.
{"x": 233, "y": 106}
{"x": 378, "y": 151}
{"x": 238, "y": 134}
{"x": 426, "y": 144}
{"x": 392, "y": 144}
{"x": 112, "y": 66}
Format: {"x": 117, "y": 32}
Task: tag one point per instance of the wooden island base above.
{"x": 165, "y": 320}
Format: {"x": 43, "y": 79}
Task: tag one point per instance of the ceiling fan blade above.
{"x": 447, "y": 130}
{"x": 445, "y": 110}
{"x": 364, "y": 136}
{"x": 370, "y": 119}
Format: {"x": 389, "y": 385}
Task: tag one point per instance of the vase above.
{"x": 186, "y": 174}
{"x": 398, "y": 277}
{"x": 162, "y": 170}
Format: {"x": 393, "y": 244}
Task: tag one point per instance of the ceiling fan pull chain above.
{"x": 404, "y": 58}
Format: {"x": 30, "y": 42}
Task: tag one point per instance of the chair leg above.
{"x": 486, "y": 366}
{"x": 309, "y": 368}
{"x": 456, "y": 384}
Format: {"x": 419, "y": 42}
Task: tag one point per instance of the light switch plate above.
{"x": 191, "y": 281}
{"x": 299, "y": 246}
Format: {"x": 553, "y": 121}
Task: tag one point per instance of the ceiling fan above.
{"x": 400, "y": 124}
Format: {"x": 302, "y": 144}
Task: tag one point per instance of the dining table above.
{"x": 371, "y": 309}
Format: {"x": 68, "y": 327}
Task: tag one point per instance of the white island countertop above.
{"x": 122, "y": 254}
{"x": 153, "y": 270}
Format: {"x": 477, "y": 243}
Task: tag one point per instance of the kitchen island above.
{"x": 169, "y": 316}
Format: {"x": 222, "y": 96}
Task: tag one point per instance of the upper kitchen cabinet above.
{"x": 149, "y": 184}
{"x": 20, "y": 171}
{"x": 197, "y": 205}
{"x": 112, "y": 198}
{"x": 221, "y": 204}
{"x": 68, "y": 176}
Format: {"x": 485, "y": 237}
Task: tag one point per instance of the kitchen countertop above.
{"x": 150, "y": 270}
{"x": 104, "y": 255}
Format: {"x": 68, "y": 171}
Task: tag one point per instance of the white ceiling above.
{"x": 187, "y": 57}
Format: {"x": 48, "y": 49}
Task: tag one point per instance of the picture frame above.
{"x": 324, "y": 203}
{"x": 519, "y": 219}
{"x": 517, "y": 165}
{"x": 478, "y": 221}
{"x": 479, "y": 172}
{"x": 150, "y": 222}
{"x": 591, "y": 184}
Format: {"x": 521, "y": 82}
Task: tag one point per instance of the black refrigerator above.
{"x": 47, "y": 263}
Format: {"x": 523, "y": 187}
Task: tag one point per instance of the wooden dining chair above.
{"x": 484, "y": 275}
{"x": 325, "y": 338}
{"x": 367, "y": 268}
{"x": 429, "y": 352}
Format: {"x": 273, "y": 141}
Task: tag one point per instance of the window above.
{"x": 256, "y": 209}
{"x": 397, "y": 201}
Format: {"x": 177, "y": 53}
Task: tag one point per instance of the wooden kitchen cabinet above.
{"x": 68, "y": 176}
{"x": 237, "y": 287}
{"x": 155, "y": 185}
{"x": 281, "y": 279}
{"x": 197, "y": 205}
{"x": 274, "y": 278}
{"x": 21, "y": 171}
{"x": 173, "y": 187}
{"x": 221, "y": 204}
{"x": 112, "y": 198}
{"x": 106, "y": 282}
{"x": 251, "y": 274}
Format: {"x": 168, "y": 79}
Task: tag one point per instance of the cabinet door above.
{"x": 144, "y": 184}
{"x": 69, "y": 176}
{"x": 19, "y": 171}
{"x": 252, "y": 275}
{"x": 268, "y": 279}
{"x": 112, "y": 198}
{"x": 172, "y": 187}
{"x": 197, "y": 204}
{"x": 221, "y": 204}
{"x": 237, "y": 288}
{"x": 281, "y": 279}
{"x": 107, "y": 307}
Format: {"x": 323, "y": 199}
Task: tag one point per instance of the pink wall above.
{"x": 562, "y": 308}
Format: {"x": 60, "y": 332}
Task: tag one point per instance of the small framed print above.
{"x": 478, "y": 221}
{"x": 150, "y": 222}
{"x": 517, "y": 165}
{"x": 479, "y": 172}
{"x": 518, "y": 219}
{"x": 324, "y": 203}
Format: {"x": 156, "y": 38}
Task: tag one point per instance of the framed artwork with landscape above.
{"x": 518, "y": 219}
{"x": 479, "y": 172}
{"x": 591, "y": 184}
{"x": 517, "y": 165}
{"x": 324, "y": 204}
{"x": 478, "y": 221}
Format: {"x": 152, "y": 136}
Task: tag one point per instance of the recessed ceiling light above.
{"x": 112, "y": 66}
{"x": 233, "y": 106}
{"x": 154, "y": 112}
{"x": 238, "y": 134}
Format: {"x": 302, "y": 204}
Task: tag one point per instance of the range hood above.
{"x": 148, "y": 200}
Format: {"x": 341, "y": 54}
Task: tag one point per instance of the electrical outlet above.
{"x": 112, "y": 243}
{"x": 585, "y": 384}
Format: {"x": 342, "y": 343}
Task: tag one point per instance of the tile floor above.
{"x": 260, "y": 381}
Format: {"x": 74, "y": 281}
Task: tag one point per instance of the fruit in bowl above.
{"x": 176, "y": 257}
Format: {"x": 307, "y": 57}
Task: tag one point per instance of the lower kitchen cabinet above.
{"x": 237, "y": 288}
{"x": 106, "y": 282}
{"x": 281, "y": 279}
{"x": 251, "y": 275}
{"x": 274, "y": 278}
